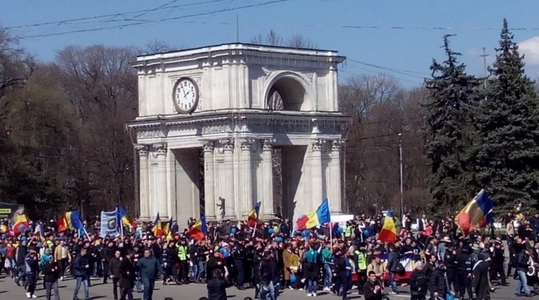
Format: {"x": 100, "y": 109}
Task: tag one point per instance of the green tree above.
{"x": 449, "y": 133}
{"x": 507, "y": 123}
{"x": 40, "y": 131}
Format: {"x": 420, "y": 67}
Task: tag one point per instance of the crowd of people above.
{"x": 430, "y": 256}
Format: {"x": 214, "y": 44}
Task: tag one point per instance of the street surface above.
{"x": 9, "y": 290}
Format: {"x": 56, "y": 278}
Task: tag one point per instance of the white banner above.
{"x": 109, "y": 224}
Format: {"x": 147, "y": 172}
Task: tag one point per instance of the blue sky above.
{"x": 398, "y": 38}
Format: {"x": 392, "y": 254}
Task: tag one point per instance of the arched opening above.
{"x": 286, "y": 94}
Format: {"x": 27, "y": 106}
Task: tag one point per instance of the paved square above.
{"x": 9, "y": 290}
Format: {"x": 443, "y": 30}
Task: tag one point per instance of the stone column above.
{"x": 334, "y": 180}
{"x": 315, "y": 161}
{"x": 209, "y": 181}
{"x": 228, "y": 179}
{"x": 246, "y": 175}
{"x": 144, "y": 199}
{"x": 160, "y": 182}
{"x": 266, "y": 182}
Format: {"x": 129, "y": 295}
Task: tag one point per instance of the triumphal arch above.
{"x": 220, "y": 128}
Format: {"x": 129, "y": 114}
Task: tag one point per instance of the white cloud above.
{"x": 530, "y": 49}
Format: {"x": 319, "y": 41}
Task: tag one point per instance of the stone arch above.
{"x": 288, "y": 91}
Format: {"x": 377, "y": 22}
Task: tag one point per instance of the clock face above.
{"x": 185, "y": 95}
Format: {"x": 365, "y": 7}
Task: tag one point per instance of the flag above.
{"x": 40, "y": 230}
{"x": 61, "y": 224}
{"x": 474, "y": 212}
{"x": 157, "y": 227}
{"x": 20, "y": 223}
{"x": 167, "y": 230}
{"x": 71, "y": 220}
{"x": 315, "y": 218}
{"x": 124, "y": 219}
{"x": 252, "y": 218}
{"x": 388, "y": 234}
{"x": 109, "y": 224}
{"x": 198, "y": 230}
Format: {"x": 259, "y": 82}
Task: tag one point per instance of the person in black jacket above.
{"x": 521, "y": 263}
{"x": 215, "y": 262}
{"x": 450, "y": 262}
{"x": 392, "y": 261}
{"x": 372, "y": 290}
{"x": 217, "y": 286}
{"x": 418, "y": 283}
{"x": 51, "y": 272}
{"x": 114, "y": 270}
{"x": 128, "y": 276}
{"x": 169, "y": 257}
{"x": 438, "y": 282}
{"x": 464, "y": 271}
{"x": 106, "y": 254}
{"x": 81, "y": 270}
{"x": 496, "y": 267}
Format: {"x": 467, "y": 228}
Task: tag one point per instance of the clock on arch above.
{"x": 185, "y": 95}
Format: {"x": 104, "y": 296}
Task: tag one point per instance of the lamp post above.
{"x": 401, "y": 181}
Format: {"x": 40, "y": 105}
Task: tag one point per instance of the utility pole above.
{"x": 401, "y": 181}
{"x": 484, "y": 56}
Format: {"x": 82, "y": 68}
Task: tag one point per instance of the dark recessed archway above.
{"x": 286, "y": 94}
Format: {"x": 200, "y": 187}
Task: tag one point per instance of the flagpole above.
{"x": 330, "y": 226}
{"x": 120, "y": 223}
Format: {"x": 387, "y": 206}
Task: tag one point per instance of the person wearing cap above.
{"x": 437, "y": 282}
{"x": 31, "y": 270}
{"x": 496, "y": 266}
{"x": 51, "y": 272}
{"x": 480, "y": 281}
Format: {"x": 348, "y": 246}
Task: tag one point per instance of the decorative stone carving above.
{"x": 146, "y": 134}
{"x": 318, "y": 144}
{"x": 228, "y": 144}
{"x": 267, "y": 144}
{"x": 336, "y": 145}
{"x": 247, "y": 144}
{"x": 142, "y": 150}
{"x": 160, "y": 148}
{"x": 209, "y": 146}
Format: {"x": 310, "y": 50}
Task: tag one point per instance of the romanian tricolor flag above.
{"x": 124, "y": 218}
{"x": 69, "y": 221}
{"x": 198, "y": 230}
{"x": 252, "y": 218}
{"x": 167, "y": 229}
{"x": 315, "y": 218}
{"x": 388, "y": 234}
{"x": 474, "y": 213}
{"x": 157, "y": 227}
{"x": 20, "y": 223}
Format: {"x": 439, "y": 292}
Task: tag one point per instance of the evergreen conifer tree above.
{"x": 507, "y": 123}
{"x": 452, "y": 95}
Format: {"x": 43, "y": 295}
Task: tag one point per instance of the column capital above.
{"x": 160, "y": 148}
{"x": 267, "y": 144}
{"x": 317, "y": 144}
{"x": 247, "y": 144}
{"x": 209, "y": 146}
{"x": 142, "y": 150}
{"x": 228, "y": 144}
{"x": 336, "y": 145}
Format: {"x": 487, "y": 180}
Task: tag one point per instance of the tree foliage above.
{"x": 449, "y": 134}
{"x": 508, "y": 126}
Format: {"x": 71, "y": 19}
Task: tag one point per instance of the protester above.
{"x": 149, "y": 270}
{"x": 217, "y": 286}
{"x": 51, "y": 272}
{"x": 81, "y": 273}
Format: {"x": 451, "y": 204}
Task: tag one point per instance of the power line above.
{"x": 116, "y": 15}
{"x": 141, "y": 22}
